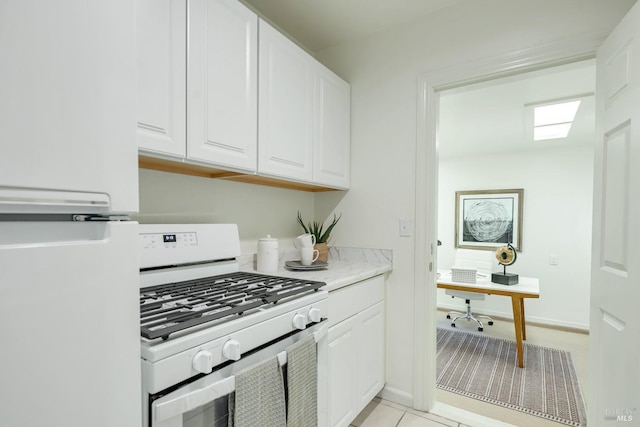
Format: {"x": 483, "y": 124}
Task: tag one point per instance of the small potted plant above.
{"x": 322, "y": 235}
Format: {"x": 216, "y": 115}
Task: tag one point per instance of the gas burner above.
{"x": 173, "y": 307}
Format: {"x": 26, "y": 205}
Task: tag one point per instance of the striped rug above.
{"x": 485, "y": 368}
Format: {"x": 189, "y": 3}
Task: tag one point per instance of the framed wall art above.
{"x": 487, "y": 219}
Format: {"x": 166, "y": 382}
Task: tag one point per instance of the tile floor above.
{"x": 382, "y": 413}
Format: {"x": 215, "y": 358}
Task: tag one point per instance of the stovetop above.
{"x": 169, "y": 308}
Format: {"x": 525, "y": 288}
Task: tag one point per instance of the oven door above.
{"x": 204, "y": 402}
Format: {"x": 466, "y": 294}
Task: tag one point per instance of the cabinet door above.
{"x": 223, "y": 77}
{"x": 285, "y": 130}
{"x": 370, "y": 354}
{"x": 162, "y": 54}
{"x": 332, "y": 143}
{"x": 343, "y": 362}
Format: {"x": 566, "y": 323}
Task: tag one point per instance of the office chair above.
{"x": 482, "y": 262}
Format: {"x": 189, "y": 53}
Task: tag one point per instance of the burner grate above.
{"x": 173, "y": 307}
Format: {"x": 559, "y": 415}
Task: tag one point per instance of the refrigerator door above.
{"x": 69, "y": 324}
{"x": 68, "y": 107}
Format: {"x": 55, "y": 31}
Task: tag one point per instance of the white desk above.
{"x": 528, "y": 287}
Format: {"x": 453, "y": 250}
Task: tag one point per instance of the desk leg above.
{"x": 524, "y": 326}
{"x": 516, "y": 302}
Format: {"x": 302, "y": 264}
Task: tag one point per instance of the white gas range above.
{"x": 202, "y": 320}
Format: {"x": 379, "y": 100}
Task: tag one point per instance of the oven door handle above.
{"x": 182, "y": 401}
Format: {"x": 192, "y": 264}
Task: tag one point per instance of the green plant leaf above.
{"x": 325, "y": 236}
{"x": 316, "y": 228}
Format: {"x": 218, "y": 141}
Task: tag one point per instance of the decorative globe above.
{"x": 506, "y": 255}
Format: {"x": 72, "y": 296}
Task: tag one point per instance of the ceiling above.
{"x": 491, "y": 117}
{"x": 477, "y": 119}
{"x": 319, "y": 24}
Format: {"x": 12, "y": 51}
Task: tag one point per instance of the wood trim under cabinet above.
{"x": 163, "y": 165}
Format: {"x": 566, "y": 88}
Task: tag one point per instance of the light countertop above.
{"x": 346, "y": 266}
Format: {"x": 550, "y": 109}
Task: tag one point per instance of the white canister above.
{"x": 267, "y": 255}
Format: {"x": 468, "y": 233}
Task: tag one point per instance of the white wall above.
{"x": 258, "y": 210}
{"x": 383, "y": 71}
{"x": 558, "y": 187}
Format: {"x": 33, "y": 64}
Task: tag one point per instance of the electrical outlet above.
{"x": 554, "y": 259}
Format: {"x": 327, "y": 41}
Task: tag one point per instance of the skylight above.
{"x": 554, "y": 121}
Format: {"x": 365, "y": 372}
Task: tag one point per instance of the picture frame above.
{"x": 489, "y": 219}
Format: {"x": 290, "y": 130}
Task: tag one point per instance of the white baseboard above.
{"x": 465, "y": 417}
{"x": 551, "y": 323}
{"x": 397, "y": 396}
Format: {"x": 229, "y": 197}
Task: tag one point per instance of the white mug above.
{"x": 304, "y": 241}
{"x": 308, "y": 255}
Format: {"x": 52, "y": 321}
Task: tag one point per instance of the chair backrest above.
{"x": 482, "y": 261}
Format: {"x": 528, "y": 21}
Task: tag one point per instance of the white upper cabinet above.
{"x": 162, "y": 53}
{"x": 332, "y": 142}
{"x": 215, "y": 122}
{"x": 223, "y": 77}
{"x": 285, "y": 130}
{"x": 220, "y": 90}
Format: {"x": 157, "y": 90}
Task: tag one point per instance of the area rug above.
{"x": 486, "y": 368}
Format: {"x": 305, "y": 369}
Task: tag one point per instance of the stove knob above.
{"x": 314, "y": 314}
{"x": 300, "y": 321}
{"x": 231, "y": 350}
{"x": 203, "y": 362}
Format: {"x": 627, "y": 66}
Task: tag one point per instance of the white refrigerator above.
{"x": 69, "y": 294}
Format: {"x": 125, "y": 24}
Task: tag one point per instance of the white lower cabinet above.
{"x": 356, "y": 348}
{"x": 343, "y": 361}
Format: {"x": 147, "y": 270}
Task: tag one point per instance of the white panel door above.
{"x": 332, "y": 143}
{"x": 223, "y": 78}
{"x": 161, "y": 29}
{"x": 343, "y": 363}
{"x": 614, "y": 392}
{"x": 285, "y": 129}
{"x": 370, "y": 354}
{"x": 69, "y": 324}
{"x": 68, "y": 104}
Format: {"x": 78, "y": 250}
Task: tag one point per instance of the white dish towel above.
{"x": 302, "y": 380}
{"x": 259, "y": 397}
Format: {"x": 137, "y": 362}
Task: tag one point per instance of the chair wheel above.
{"x": 480, "y": 329}
{"x": 448, "y": 316}
{"x": 453, "y": 325}
{"x": 490, "y": 323}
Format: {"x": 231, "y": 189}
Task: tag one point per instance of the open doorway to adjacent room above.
{"x": 486, "y": 142}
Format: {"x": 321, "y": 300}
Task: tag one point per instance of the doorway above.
{"x": 486, "y": 142}
{"x": 431, "y": 86}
